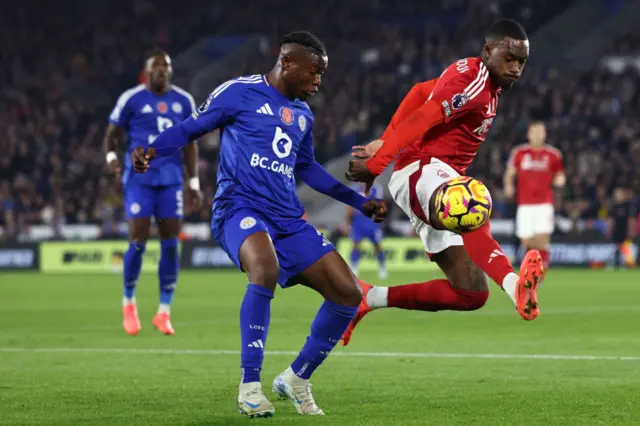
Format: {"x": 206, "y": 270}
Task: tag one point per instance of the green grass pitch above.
{"x": 64, "y": 359}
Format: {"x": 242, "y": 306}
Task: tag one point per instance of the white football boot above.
{"x": 252, "y": 402}
{"x": 289, "y": 386}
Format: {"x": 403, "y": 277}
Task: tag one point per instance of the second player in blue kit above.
{"x": 142, "y": 113}
{"x": 266, "y": 144}
{"x": 362, "y": 228}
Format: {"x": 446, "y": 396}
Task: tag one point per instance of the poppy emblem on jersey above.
{"x": 176, "y": 107}
{"x": 302, "y": 123}
{"x": 248, "y": 223}
{"x": 459, "y": 100}
{"x": 286, "y": 115}
{"x": 443, "y": 174}
{"x": 162, "y": 107}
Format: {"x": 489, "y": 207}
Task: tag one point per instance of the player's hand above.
{"x": 364, "y": 152}
{"x": 509, "y": 191}
{"x": 141, "y": 158}
{"x": 195, "y": 199}
{"x": 114, "y": 167}
{"x": 375, "y": 209}
{"x": 359, "y": 172}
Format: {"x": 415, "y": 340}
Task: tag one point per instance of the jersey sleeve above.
{"x": 514, "y": 158}
{"x": 557, "y": 166}
{"x": 122, "y": 111}
{"x": 416, "y": 97}
{"x": 458, "y": 88}
{"x": 189, "y": 105}
{"x": 221, "y": 107}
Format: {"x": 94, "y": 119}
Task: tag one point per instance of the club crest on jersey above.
{"x": 247, "y": 223}
{"x": 162, "y": 107}
{"x": 176, "y": 107}
{"x": 443, "y": 174}
{"x": 286, "y": 115}
{"x": 302, "y": 123}
{"x": 459, "y": 100}
{"x": 135, "y": 208}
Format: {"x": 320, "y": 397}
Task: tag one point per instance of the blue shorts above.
{"x": 371, "y": 232}
{"x": 298, "y": 244}
{"x": 162, "y": 202}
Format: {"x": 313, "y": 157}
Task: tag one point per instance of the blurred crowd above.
{"x": 61, "y": 74}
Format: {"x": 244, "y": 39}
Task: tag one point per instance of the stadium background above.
{"x": 63, "y": 65}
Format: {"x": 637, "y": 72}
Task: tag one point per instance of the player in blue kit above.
{"x": 362, "y": 227}
{"x": 142, "y": 113}
{"x": 266, "y": 144}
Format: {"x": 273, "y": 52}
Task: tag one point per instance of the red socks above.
{"x": 487, "y": 254}
{"x": 544, "y": 254}
{"x": 436, "y": 295}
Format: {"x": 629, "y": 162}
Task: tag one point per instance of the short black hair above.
{"x": 306, "y": 39}
{"x": 506, "y": 28}
{"x": 156, "y": 51}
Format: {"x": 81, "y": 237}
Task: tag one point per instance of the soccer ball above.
{"x": 463, "y": 204}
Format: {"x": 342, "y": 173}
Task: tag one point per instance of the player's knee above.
{"x": 473, "y": 280}
{"x": 348, "y": 293}
{"x": 264, "y": 272}
{"x": 475, "y": 300}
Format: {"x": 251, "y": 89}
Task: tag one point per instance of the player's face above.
{"x": 303, "y": 72}
{"x": 506, "y": 60}
{"x": 536, "y": 134}
{"x": 159, "y": 70}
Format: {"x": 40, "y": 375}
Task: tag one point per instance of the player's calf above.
{"x": 259, "y": 261}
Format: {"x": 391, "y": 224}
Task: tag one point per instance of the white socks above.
{"x": 509, "y": 285}
{"x": 164, "y": 308}
{"x": 377, "y": 297}
{"x": 128, "y": 301}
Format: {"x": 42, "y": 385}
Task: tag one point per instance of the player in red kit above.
{"x": 433, "y": 137}
{"x": 536, "y": 168}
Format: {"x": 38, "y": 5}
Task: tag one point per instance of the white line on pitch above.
{"x": 338, "y": 353}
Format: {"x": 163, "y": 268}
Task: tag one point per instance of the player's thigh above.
{"x": 246, "y": 240}
{"x": 460, "y": 270}
{"x": 332, "y": 278}
{"x": 525, "y": 222}
{"x": 544, "y": 222}
{"x": 139, "y": 206}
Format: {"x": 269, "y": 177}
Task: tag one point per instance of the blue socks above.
{"x": 326, "y": 330}
{"x": 355, "y": 257}
{"x": 381, "y": 258}
{"x": 168, "y": 269}
{"x": 255, "y": 314}
{"x": 132, "y": 267}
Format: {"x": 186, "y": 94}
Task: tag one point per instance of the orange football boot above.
{"x": 162, "y": 322}
{"x": 130, "y": 321}
{"x": 531, "y": 273}
{"x": 363, "y": 309}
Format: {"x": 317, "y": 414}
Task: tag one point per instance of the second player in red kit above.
{"x": 536, "y": 169}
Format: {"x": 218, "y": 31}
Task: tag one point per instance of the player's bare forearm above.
{"x": 191, "y": 159}
{"x": 508, "y": 181}
{"x": 559, "y": 180}
{"x": 112, "y": 138}
{"x": 349, "y": 216}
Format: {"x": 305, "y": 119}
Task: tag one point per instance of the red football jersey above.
{"x": 469, "y": 101}
{"x": 536, "y": 168}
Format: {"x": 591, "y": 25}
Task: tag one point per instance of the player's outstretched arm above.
{"x": 314, "y": 175}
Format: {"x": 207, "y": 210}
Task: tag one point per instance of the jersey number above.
{"x": 163, "y": 124}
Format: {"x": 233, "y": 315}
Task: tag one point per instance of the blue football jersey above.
{"x": 263, "y": 136}
{"x": 144, "y": 115}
